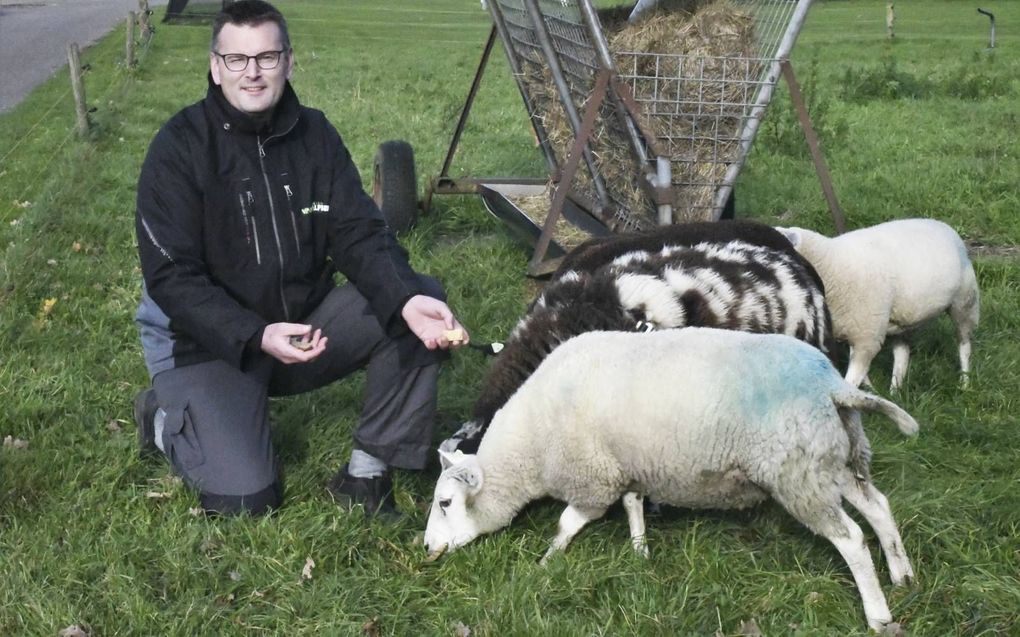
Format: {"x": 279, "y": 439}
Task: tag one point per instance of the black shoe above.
{"x": 374, "y": 494}
{"x": 145, "y": 417}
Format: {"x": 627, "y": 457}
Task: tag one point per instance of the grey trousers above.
{"x": 215, "y": 417}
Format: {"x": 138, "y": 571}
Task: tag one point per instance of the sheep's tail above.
{"x": 863, "y": 401}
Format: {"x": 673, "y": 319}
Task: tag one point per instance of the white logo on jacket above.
{"x": 317, "y": 206}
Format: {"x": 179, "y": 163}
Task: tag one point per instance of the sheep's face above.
{"x": 451, "y": 524}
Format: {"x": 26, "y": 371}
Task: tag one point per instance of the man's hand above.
{"x": 276, "y": 341}
{"x": 430, "y": 319}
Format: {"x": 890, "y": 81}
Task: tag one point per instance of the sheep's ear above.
{"x": 792, "y": 235}
{"x": 471, "y": 475}
{"x": 447, "y": 459}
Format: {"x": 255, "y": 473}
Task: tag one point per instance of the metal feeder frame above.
{"x": 565, "y": 39}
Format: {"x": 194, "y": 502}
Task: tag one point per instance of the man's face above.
{"x": 252, "y": 90}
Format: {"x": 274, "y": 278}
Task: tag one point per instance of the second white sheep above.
{"x": 886, "y": 280}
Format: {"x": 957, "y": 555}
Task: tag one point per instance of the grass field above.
{"x": 923, "y": 125}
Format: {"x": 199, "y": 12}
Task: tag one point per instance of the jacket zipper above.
{"x": 248, "y": 230}
{"x": 293, "y": 219}
{"x": 276, "y": 230}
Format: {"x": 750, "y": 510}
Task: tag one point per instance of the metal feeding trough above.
{"x": 632, "y": 138}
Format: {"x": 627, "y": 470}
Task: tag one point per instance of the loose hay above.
{"x": 537, "y": 208}
{"x": 692, "y": 70}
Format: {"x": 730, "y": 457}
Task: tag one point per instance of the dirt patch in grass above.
{"x": 982, "y": 250}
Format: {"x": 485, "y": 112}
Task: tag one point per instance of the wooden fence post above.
{"x": 144, "y": 26}
{"x": 129, "y": 43}
{"x": 814, "y": 145}
{"x": 890, "y": 19}
{"x": 78, "y": 87}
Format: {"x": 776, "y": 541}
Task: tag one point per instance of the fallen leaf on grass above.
{"x": 15, "y": 443}
{"x": 45, "y": 308}
{"x": 371, "y": 627}
{"x": 306, "y": 572}
{"x": 157, "y": 495}
{"x": 460, "y": 630}
{"x": 76, "y": 246}
{"x": 74, "y": 630}
{"x": 22, "y": 204}
{"x": 51, "y": 262}
{"x": 196, "y": 511}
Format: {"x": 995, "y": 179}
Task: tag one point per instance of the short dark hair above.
{"x": 250, "y": 13}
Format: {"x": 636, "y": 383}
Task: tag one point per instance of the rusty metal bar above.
{"x": 462, "y": 121}
{"x": 578, "y": 148}
{"x": 817, "y": 158}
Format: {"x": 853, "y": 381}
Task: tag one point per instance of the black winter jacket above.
{"x": 240, "y": 226}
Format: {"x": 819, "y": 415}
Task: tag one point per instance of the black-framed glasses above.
{"x": 267, "y": 60}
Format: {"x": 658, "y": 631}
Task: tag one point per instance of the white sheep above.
{"x": 886, "y": 280}
{"x": 696, "y": 417}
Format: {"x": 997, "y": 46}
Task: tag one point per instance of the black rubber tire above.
{"x": 394, "y": 185}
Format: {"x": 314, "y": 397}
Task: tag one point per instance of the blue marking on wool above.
{"x": 780, "y": 373}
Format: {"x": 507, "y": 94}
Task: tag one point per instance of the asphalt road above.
{"x": 34, "y": 35}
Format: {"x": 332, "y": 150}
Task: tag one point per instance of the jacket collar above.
{"x": 284, "y": 116}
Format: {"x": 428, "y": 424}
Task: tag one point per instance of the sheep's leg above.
{"x": 860, "y": 361}
{"x": 572, "y": 520}
{"x": 965, "y": 314}
{"x": 901, "y": 360}
{"x": 874, "y": 506}
{"x": 965, "y": 363}
{"x": 817, "y": 504}
{"x": 849, "y": 541}
{"x": 634, "y": 506}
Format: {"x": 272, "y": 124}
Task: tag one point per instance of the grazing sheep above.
{"x": 599, "y": 251}
{"x": 699, "y": 418}
{"x": 728, "y": 284}
{"x": 888, "y": 279}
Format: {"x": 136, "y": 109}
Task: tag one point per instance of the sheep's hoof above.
{"x": 548, "y": 556}
{"x": 892, "y": 629}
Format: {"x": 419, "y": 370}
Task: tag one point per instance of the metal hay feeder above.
{"x": 632, "y": 139}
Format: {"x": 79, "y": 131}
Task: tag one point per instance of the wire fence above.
{"x": 118, "y": 83}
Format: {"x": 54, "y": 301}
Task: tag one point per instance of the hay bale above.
{"x": 691, "y": 67}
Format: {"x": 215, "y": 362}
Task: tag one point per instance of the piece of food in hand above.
{"x": 300, "y": 342}
{"x": 454, "y": 336}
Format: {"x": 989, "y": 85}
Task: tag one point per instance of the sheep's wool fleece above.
{"x": 694, "y": 417}
{"x": 908, "y": 270}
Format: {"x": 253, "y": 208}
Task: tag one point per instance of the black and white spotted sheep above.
{"x": 730, "y": 285}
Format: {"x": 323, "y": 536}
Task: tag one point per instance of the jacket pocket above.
{"x": 181, "y": 439}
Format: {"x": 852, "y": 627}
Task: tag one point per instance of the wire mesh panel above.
{"x": 701, "y": 80}
{"x": 705, "y": 109}
{"x": 553, "y": 56}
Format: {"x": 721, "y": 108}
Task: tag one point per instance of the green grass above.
{"x": 925, "y": 125}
